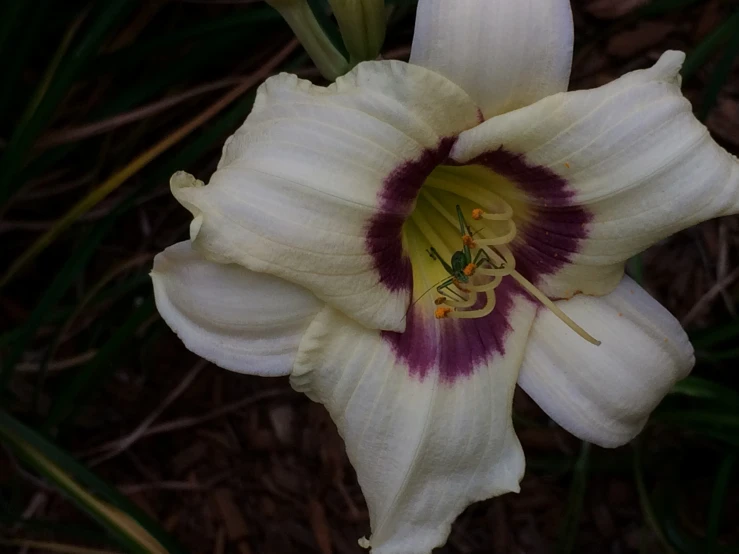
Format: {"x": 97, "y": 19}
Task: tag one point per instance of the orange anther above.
{"x": 468, "y": 241}
{"x": 470, "y": 269}
{"x": 441, "y": 312}
{"x": 440, "y": 300}
{"x": 477, "y": 213}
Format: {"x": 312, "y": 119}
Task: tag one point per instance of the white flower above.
{"x": 313, "y": 237}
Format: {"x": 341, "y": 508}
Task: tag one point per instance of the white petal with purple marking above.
{"x": 604, "y": 394}
{"x": 301, "y": 184}
{"x": 634, "y": 161}
{"x": 427, "y": 420}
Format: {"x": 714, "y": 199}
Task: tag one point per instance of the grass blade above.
{"x": 721, "y": 73}
{"x": 698, "y": 57}
{"x": 571, "y": 523}
{"x": 94, "y": 372}
{"x": 25, "y": 135}
{"x": 132, "y": 528}
{"x": 650, "y": 518}
{"x": 118, "y": 178}
{"x": 718, "y": 498}
{"x": 704, "y": 389}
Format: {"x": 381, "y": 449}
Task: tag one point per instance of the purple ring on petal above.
{"x": 397, "y": 199}
{"x": 547, "y": 240}
{"x": 454, "y": 348}
{"x": 556, "y": 226}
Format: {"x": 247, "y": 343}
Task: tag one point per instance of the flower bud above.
{"x": 299, "y": 16}
{"x": 362, "y": 24}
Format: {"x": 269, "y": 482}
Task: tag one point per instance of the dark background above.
{"x": 96, "y": 386}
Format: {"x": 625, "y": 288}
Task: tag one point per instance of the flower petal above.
{"x": 505, "y": 54}
{"x": 427, "y": 423}
{"x": 300, "y": 185}
{"x": 238, "y": 319}
{"x": 604, "y": 394}
{"x": 616, "y": 169}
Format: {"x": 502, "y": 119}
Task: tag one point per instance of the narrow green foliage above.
{"x": 95, "y": 372}
{"x": 660, "y": 7}
{"x": 718, "y": 498}
{"x": 237, "y": 27}
{"x": 706, "y": 339}
{"x": 645, "y": 502}
{"x": 720, "y": 73}
{"x": 24, "y": 136}
{"x": 704, "y": 389}
{"x": 126, "y": 523}
{"x": 571, "y": 522}
{"x": 701, "y": 54}
{"x": 20, "y": 29}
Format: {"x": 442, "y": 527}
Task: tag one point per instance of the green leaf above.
{"x": 721, "y": 73}
{"x": 571, "y": 522}
{"x": 130, "y": 526}
{"x": 233, "y": 25}
{"x": 704, "y": 389}
{"x": 25, "y": 135}
{"x": 645, "y": 502}
{"x": 660, "y": 7}
{"x": 20, "y": 28}
{"x": 698, "y": 57}
{"x": 94, "y": 373}
{"x": 718, "y": 498}
{"x": 707, "y": 338}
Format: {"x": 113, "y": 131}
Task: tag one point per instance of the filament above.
{"x": 497, "y": 263}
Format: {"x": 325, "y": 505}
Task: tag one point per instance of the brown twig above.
{"x": 185, "y": 422}
{"x": 72, "y": 134}
{"x": 708, "y": 297}
{"x": 125, "y": 443}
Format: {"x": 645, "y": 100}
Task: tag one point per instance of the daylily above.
{"x": 332, "y": 209}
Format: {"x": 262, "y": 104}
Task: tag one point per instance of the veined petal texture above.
{"x": 631, "y": 155}
{"x": 506, "y": 54}
{"x": 424, "y": 445}
{"x": 300, "y": 182}
{"x": 604, "y": 394}
{"x": 238, "y": 319}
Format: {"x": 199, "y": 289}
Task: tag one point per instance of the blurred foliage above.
{"x": 101, "y": 102}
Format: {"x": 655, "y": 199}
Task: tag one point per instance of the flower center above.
{"x": 467, "y": 247}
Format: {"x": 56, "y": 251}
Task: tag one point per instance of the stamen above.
{"x": 441, "y": 312}
{"x": 470, "y": 301}
{"x": 541, "y": 297}
{"x": 458, "y": 284}
{"x": 503, "y": 239}
{"x": 495, "y": 272}
{"x": 487, "y": 309}
{"x": 497, "y": 263}
{"x": 474, "y": 193}
{"x": 507, "y": 259}
{"x": 492, "y": 285}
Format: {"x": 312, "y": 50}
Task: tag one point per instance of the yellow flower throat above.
{"x": 484, "y": 257}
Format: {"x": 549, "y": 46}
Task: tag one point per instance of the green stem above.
{"x": 300, "y": 18}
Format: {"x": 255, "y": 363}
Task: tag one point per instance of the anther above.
{"x": 470, "y": 269}
{"x": 457, "y": 283}
{"x": 477, "y": 213}
{"x": 440, "y": 300}
{"x": 441, "y": 312}
{"x": 467, "y": 240}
